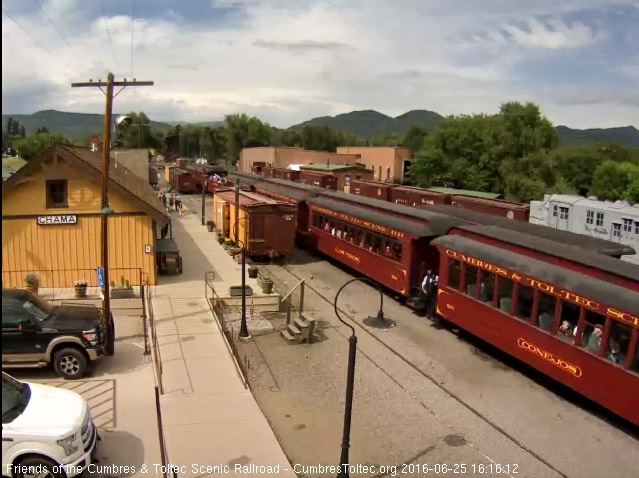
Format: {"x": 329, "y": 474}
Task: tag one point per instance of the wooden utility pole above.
{"x": 106, "y": 159}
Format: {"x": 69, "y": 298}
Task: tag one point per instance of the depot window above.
{"x": 57, "y": 194}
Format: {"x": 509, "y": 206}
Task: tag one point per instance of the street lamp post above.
{"x": 244, "y": 333}
{"x": 350, "y": 376}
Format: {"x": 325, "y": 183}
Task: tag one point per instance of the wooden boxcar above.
{"x": 417, "y": 197}
{"x": 326, "y": 181}
{"x": 288, "y": 174}
{"x": 268, "y": 171}
{"x": 393, "y": 251}
{"x": 294, "y": 193}
{"x": 499, "y": 207}
{"x": 182, "y": 181}
{"x": 578, "y": 330}
{"x": 371, "y": 189}
{"x": 266, "y": 226}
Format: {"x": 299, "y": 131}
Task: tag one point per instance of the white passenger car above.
{"x": 46, "y": 431}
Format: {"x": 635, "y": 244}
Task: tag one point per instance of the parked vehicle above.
{"x": 36, "y": 333}
{"x": 46, "y": 431}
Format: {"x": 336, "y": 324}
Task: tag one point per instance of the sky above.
{"x": 287, "y": 61}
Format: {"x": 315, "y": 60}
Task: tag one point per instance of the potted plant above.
{"x": 220, "y": 239}
{"x": 210, "y": 225}
{"x": 81, "y": 288}
{"x": 266, "y": 283}
{"x": 121, "y": 291}
{"x": 32, "y": 282}
{"x": 252, "y": 271}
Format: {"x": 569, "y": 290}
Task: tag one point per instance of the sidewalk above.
{"x": 210, "y": 418}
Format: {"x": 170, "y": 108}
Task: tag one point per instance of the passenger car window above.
{"x": 486, "y": 286}
{"x": 523, "y": 306}
{"x": 12, "y": 311}
{"x": 505, "y": 294}
{"x": 454, "y": 273}
{"x": 470, "y": 280}
{"x": 568, "y": 319}
{"x": 545, "y": 311}
{"x": 592, "y": 331}
{"x": 635, "y": 361}
{"x": 618, "y": 343}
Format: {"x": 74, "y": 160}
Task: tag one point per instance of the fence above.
{"x": 219, "y": 308}
{"x": 155, "y": 347}
{"x": 58, "y": 280}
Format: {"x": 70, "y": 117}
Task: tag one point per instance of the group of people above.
{"x": 592, "y": 341}
{"x": 349, "y": 234}
{"x": 172, "y": 202}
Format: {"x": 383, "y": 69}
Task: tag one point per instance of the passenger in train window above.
{"x": 327, "y": 228}
{"x": 593, "y": 340}
{"x": 338, "y": 232}
{"x": 569, "y": 317}
{"x": 618, "y": 343}
{"x": 345, "y": 233}
{"x": 616, "y": 355}
{"x": 333, "y": 229}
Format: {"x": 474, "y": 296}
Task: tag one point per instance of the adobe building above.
{"x": 51, "y": 221}
{"x": 389, "y": 163}
{"x": 284, "y": 157}
{"x": 343, "y": 173}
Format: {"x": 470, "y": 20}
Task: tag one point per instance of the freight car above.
{"x": 182, "y": 181}
{"x": 417, "y": 197}
{"x": 498, "y": 207}
{"x": 371, "y": 189}
{"x": 266, "y": 226}
{"x": 326, "y": 181}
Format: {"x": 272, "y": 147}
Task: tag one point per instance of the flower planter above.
{"x": 236, "y": 290}
{"x": 266, "y": 285}
{"x": 252, "y": 272}
{"x": 122, "y": 293}
{"x": 81, "y": 292}
{"x": 210, "y": 226}
{"x": 220, "y": 240}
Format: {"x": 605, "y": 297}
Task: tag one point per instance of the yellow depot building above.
{"x": 51, "y": 221}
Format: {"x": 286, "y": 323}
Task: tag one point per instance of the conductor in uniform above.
{"x": 429, "y": 288}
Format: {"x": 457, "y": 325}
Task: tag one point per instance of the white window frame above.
{"x": 590, "y": 217}
{"x": 627, "y": 224}
{"x": 637, "y": 228}
{"x": 600, "y": 219}
{"x": 616, "y": 229}
{"x": 563, "y": 210}
{"x": 555, "y": 208}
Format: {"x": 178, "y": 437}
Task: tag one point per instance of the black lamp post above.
{"x": 350, "y": 376}
{"x": 244, "y": 333}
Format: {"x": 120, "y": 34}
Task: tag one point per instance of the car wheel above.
{"x": 39, "y": 467}
{"x": 70, "y": 363}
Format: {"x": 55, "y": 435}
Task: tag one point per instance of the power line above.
{"x": 132, "y": 31}
{"x": 57, "y": 29}
{"x": 25, "y": 31}
{"x": 108, "y": 32}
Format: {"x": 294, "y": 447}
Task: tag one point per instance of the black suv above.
{"x": 36, "y": 333}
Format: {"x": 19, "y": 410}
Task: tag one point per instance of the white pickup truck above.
{"x": 46, "y": 431}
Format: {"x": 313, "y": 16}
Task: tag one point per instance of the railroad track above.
{"x": 424, "y": 374}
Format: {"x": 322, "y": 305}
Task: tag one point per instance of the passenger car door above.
{"x": 18, "y": 329}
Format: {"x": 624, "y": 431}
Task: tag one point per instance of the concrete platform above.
{"x": 210, "y": 418}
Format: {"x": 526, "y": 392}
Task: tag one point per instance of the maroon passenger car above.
{"x": 577, "y": 329}
{"x": 393, "y": 251}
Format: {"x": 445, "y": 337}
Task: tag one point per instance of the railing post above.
{"x": 288, "y": 311}
{"x": 302, "y": 298}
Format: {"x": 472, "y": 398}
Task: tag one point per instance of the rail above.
{"x": 288, "y": 298}
{"x": 216, "y": 304}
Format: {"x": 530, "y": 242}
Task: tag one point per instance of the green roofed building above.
{"x": 466, "y": 192}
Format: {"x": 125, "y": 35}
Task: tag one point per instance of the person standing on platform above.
{"x": 429, "y": 288}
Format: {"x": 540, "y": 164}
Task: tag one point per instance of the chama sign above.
{"x": 58, "y": 219}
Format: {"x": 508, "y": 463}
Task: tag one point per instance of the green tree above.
{"x": 414, "y": 138}
{"x": 613, "y": 180}
{"x": 23, "y": 132}
{"x": 33, "y": 144}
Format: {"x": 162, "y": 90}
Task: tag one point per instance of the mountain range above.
{"x": 365, "y": 123}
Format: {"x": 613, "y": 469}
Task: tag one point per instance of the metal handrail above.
{"x": 293, "y": 290}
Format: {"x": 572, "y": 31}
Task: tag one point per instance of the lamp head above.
{"x": 123, "y": 120}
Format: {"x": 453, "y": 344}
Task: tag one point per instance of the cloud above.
{"x": 301, "y": 46}
{"x": 557, "y": 35}
{"x": 290, "y": 60}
